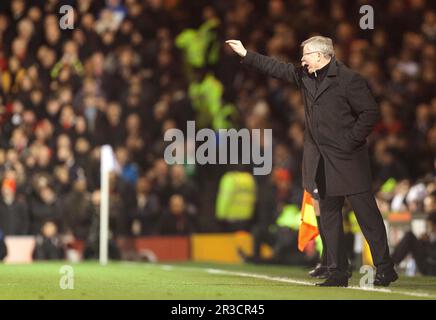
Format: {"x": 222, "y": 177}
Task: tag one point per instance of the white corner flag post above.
{"x": 107, "y": 164}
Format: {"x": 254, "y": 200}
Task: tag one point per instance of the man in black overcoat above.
{"x": 340, "y": 112}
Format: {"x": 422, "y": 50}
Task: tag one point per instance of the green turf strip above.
{"x": 187, "y": 281}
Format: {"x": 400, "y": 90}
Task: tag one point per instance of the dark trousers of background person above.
{"x": 368, "y": 216}
{"x": 284, "y": 244}
{"x": 418, "y": 249}
{"x": 48, "y": 249}
{"x": 3, "y": 248}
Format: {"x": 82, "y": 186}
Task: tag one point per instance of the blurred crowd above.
{"x": 118, "y": 78}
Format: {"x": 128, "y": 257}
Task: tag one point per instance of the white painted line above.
{"x": 259, "y": 276}
{"x": 167, "y": 268}
{"x": 295, "y": 281}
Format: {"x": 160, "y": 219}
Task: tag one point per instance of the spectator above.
{"x": 176, "y": 220}
{"x": 92, "y": 246}
{"x": 44, "y": 206}
{"x": 179, "y": 184}
{"x": 423, "y": 250}
{"x": 14, "y": 216}
{"x": 146, "y": 213}
{"x": 77, "y": 211}
{"x": 129, "y": 170}
{"x": 48, "y": 243}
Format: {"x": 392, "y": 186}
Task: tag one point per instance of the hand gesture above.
{"x": 237, "y": 46}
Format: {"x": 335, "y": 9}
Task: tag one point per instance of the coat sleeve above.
{"x": 271, "y": 67}
{"x": 364, "y": 106}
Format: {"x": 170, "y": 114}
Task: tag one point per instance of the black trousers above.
{"x": 323, "y": 259}
{"x": 368, "y": 216}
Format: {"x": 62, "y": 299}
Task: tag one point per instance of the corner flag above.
{"x": 108, "y": 163}
{"x": 308, "y": 227}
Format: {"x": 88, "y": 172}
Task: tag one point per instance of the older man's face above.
{"x": 310, "y": 58}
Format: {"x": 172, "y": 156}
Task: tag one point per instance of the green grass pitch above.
{"x": 186, "y": 281}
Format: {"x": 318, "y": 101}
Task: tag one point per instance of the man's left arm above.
{"x": 363, "y": 104}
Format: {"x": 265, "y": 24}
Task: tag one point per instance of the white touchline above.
{"x": 307, "y": 283}
{"x": 294, "y": 281}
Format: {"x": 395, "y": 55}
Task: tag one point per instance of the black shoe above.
{"x": 384, "y": 279}
{"x": 320, "y": 272}
{"x": 335, "y": 279}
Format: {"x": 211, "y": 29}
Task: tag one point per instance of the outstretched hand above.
{"x": 237, "y": 46}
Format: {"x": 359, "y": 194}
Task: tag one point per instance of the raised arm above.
{"x": 264, "y": 64}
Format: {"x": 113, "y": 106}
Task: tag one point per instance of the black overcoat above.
{"x": 338, "y": 118}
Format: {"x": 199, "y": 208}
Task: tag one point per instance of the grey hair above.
{"x": 321, "y": 44}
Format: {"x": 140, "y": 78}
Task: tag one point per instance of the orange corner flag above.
{"x": 308, "y": 227}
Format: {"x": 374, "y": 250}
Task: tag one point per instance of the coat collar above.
{"x": 333, "y": 68}
{"x": 332, "y": 72}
